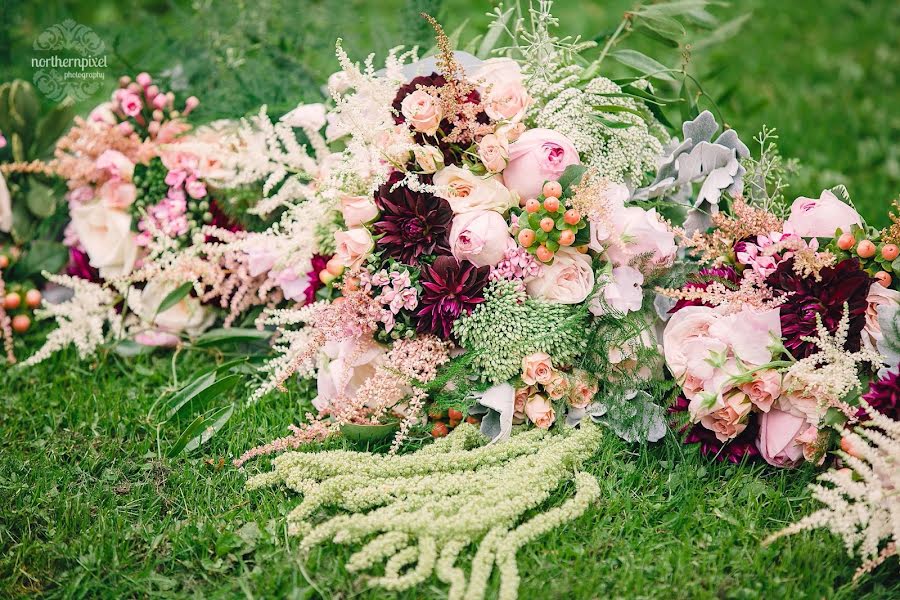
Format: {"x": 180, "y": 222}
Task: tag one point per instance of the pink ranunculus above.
{"x": 730, "y": 420}
{"x": 493, "y": 152}
{"x": 358, "y": 210}
{"x": 350, "y": 363}
{"x": 130, "y": 103}
{"x": 481, "y": 237}
{"x": 353, "y": 246}
{"x": 540, "y": 412}
{"x": 118, "y": 194}
{"x": 777, "y": 438}
{"x": 422, "y": 111}
{"x": 623, "y": 292}
{"x": 539, "y": 155}
{"x": 821, "y": 217}
{"x": 878, "y": 296}
{"x": 537, "y": 368}
{"x": 764, "y": 389}
{"x": 569, "y": 279}
{"x": 749, "y": 332}
{"x": 115, "y": 164}
{"x": 642, "y": 233}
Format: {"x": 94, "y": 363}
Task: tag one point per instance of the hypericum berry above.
{"x": 21, "y": 323}
{"x": 335, "y": 266}
{"x": 472, "y": 420}
{"x": 4, "y": 261}
{"x": 439, "y": 430}
{"x": 12, "y": 301}
{"x": 583, "y": 249}
{"x": 532, "y": 205}
{"x": 865, "y": 249}
{"x": 326, "y": 277}
{"x": 884, "y": 278}
{"x": 890, "y": 252}
{"x": 566, "y": 237}
{"x": 846, "y": 241}
{"x": 552, "y": 189}
{"x": 551, "y": 204}
{"x": 544, "y": 253}
{"x": 526, "y": 237}
{"x": 33, "y": 298}
{"x": 435, "y": 413}
{"x": 454, "y": 415}
{"x": 572, "y": 216}
{"x": 547, "y": 224}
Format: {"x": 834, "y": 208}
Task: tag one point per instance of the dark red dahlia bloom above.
{"x": 702, "y": 280}
{"x": 80, "y": 265}
{"x": 884, "y": 396}
{"x": 806, "y": 298}
{"x": 451, "y": 289}
{"x": 412, "y": 224}
{"x": 318, "y": 265}
{"x": 734, "y": 451}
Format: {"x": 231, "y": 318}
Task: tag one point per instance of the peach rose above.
{"x": 537, "y": 368}
{"x": 557, "y": 387}
{"x": 466, "y": 191}
{"x": 539, "y": 155}
{"x": 764, "y": 389}
{"x": 353, "y": 246}
{"x": 358, "y": 210}
{"x": 481, "y": 237}
{"x": 503, "y": 89}
{"x": 569, "y": 279}
{"x": 730, "y": 420}
{"x": 582, "y": 390}
{"x": 777, "y": 439}
{"x": 422, "y": 111}
{"x": 493, "y": 152}
{"x": 822, "y": 217}
{"x": 878, "y": 296}
{"x": 641, "y": 233}
{"x": 429, "y": 158}
{"x": 540, "y": 412}
{"x": 521, "y": 397}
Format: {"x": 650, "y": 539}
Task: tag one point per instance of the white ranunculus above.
{"x": 107, "y": 238}
{"x": 466, "y": 191}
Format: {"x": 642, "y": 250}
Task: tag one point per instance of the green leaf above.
{"x": 41, "y": 255}
{"x": 234, "y": 334}
{"x": 52, "y": 126}
{"x": 180, "y": 398}
{"x": 671, "y": 9}
{"x": 571, "y": 176}
{"x": 493, "y": 34}
{"x": 175, "y": 296}
{"x": 613, "y": 108}
{"x": 41, "y": 199}
{"x": 665, "y": 27}
{"x": 613, "y": 124}
{"x": 201, "y": 430}
{"x": 130, "y": 348}
{"x": 723, "y": 33}
{"x": 642, "y": 63}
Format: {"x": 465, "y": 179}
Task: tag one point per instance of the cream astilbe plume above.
{"x": 413, "y": 513}
{"x": 862, "y": 502}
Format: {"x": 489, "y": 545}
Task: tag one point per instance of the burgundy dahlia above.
{"x": 451, "y": 289}
{"x": 702, "y": 280}
{"x": 734, "y": 451}
{"x": 806, "y": 298}
{"x": 884, "y": 396}
{"x": 319, "y": 263}
{"x": 412, "y": 224}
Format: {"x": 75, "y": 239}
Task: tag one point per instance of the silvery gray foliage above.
{"x": 634, "y": 418}
{"x": 889, "y": 345}
{"x": 495, "y": 405}
{"x": 697, "y": 158}
{"x": 428, "y": 65}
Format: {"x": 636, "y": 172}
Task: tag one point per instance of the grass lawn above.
{"x": 91, "y": 508}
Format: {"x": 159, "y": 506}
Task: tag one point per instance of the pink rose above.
{"x": 539, "y": 155}
{"x": 749, "y": 333}
{"x": 537, "y": 369}
{"x": 622, "y": 293}
{"x": 878, "y": 296}
{"x": 582, "y": 390}
{"x": 685, "y": 326}
{"x": 540, "y": 412}
{"x": 118, "y": 194}
{"x": 569, "y": 279}
{"x": 353, "y": 246}
{"x": 350, "y": 363}
{"x": 822, "y": 217}
{"x": 730, "y": 420}
{"x": 130, "y": 103}
{"x": 641, "y": 233}
{"x": 777, "y": 438}
{"x": 493, "y": 152}
{"x": 115, "y": 165}
{"x": 422, "y": 111}
{"x": 358, "y": 210}
{"x": 764, "y": 389}
{"x": 801, "y": 402}
{"x": 481, "y": 237}
{"x": 503, "y": 89}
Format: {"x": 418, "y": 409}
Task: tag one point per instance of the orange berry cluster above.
{"x": 453, "y": 417}
{"x": 13, "y": 302}
{"x": 877, "y": 258}
{"x": 545, "y": 225}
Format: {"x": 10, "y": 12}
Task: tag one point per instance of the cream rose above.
{"x": 539, "y": 155}
{"x": 569, "y": 279}
{"x": 422, "y": 111}
{"x": 481, "y": 237}
{"x": 349, "y": 363}
{"x": 821, "y": 217}
{"x": 188, "y": 316}
{"x": 537, "y": 368}
{"x": 429, "y": 158}
{"x": 878, "y": 296}
{"x": 466, "y": 191}
{"x": 107, "y": 238}
{"x": 353, "y": 246}
{"x": 358, "y": 210}
{"x": 503, "y": 89}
